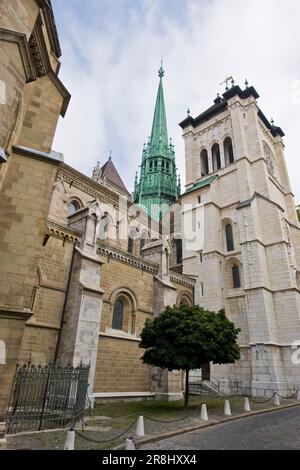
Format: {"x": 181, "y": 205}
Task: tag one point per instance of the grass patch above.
{"x": 157, "y": 409}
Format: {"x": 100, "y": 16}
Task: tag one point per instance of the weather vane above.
{"x": 227, "y": 80}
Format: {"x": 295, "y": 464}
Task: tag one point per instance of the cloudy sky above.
{"x": 112, "y": 51}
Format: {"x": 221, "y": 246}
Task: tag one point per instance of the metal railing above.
{"x": 46, "y": 397}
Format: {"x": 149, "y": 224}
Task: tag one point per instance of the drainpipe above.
{"x": 65, "y": 305}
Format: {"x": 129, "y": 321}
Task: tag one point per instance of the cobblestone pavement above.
{"x": 106, "y": 429}
{"x": 278, "y": 430}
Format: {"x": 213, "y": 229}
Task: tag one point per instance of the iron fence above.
{"x": 46, "y": 397}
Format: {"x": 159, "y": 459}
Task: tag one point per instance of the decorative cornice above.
{"x": 87, "y": 185}
{"x": 21, "y": 41}
{"x": 126, "y": 258}
{"x": 62, "y": 232}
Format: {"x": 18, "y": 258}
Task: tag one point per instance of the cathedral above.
{"x": 84, "y": 263}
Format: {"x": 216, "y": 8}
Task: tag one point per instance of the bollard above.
{"x": 298, "y": 395}
{"x": 227, "y": 410}
{"x": 140, "y": 429}
{"x": 130, "y": 444}
{"x": 204, "y": 416}
{"x": 247, "y": 404}
{"x": 276, "y": 400}
{"x": 70, "y": 441}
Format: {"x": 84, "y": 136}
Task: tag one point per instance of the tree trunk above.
{"x": 186, "y": 395}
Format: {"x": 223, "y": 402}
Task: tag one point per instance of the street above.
{"x": 278, "y": 430}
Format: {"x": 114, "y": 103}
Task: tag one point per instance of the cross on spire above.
{"x": 227, "y": 80}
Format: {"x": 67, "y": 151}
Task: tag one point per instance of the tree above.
{"x": 187, "y": 338}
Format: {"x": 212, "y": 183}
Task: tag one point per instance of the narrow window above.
{"x": 117, "y": 321}
{"x": 103, "y": 229}
{"x": 228, "y": 151}
{"x": 202, "y": 289}
{"x": 204, "y": 162}
{"x": 178, "y": 251}
{"x": 216, "y": 157}
{"x": 131, "y": 239}
{"x": 229, "y": 237}
{"x": 201, "y": 257}
{"x": 73, "y": 207}
{"x": 236, "y": 277}
{"x": 199, "y": 199}
{"x": 143, "y": 240}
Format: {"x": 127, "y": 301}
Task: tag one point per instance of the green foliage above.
{"x": 186, "y": 338}
{"x": 298, "y": 212}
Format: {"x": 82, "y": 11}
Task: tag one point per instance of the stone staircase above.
{"x": 204, "y": 387}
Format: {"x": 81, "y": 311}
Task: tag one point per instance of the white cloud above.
{"x": 111, "y": 73}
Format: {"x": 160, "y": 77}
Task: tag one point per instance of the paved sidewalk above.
{"x": 106, "y": 431}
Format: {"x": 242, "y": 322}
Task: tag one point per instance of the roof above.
{"x": 111, "y": 174}
{"x": 202, "y": 184}
{"x": 221, "y": 104}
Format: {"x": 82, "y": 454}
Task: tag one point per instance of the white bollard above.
{"x": 227, "y": 410}
{"x": 247, "y": 404}
{"x": 130, "y": 444}
{"x": 140, "y": 429}
{"x": 276, "y": 400}
{"x": 70, "y": 441}
{"x": 204, "y": 416}
{"x": 298, "y": 395}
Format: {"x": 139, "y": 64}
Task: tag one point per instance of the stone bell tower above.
{"x": 248, "y": 260}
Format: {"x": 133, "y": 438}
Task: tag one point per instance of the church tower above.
{"x": 158, "y": 188}
{"x": 248, "y": 257}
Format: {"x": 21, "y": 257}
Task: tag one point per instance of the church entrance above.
{"x": 206, "y": 372}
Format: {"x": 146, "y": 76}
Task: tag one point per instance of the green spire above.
{"x": 159, "y": 134}
{"x": 158, "y": 184}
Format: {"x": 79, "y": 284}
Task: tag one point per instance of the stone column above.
{"x": 80, "y": 333}
{"x": 167, "y": 385}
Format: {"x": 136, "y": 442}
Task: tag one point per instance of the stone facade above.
{"x": 62, "y": 271}
{"x": 247, "y": 258}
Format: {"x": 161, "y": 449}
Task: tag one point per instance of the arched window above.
{"x": 103, "y": 228}
{"x": 228, "y": 151}
{"x": 73, "y": 207}
{"x": 229, "y": 237}
{"x": 178, "y": 244}
{"x": 117, "y": 321}
{"x": 216, "y": 157}
{"x": 236, "y": 280}
{"x": 131, "y": 239}
{"x": 204, "y": 162}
